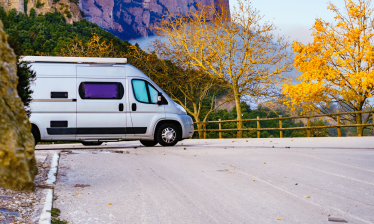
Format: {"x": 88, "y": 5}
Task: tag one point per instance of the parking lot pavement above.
{"x": 299, "y": 180}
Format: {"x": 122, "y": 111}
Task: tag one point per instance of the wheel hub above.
{"x": 168, "y": 135}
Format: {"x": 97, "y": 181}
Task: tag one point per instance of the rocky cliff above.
{"x": 17, "y": 161}
{"x": 129, "y": 19}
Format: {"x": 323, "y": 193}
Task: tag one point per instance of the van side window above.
{"x": 140, "y": 90}
{"x": 101, "y": 90}
{"x": 153, "y": 93}
{"x": 144, "y": 92}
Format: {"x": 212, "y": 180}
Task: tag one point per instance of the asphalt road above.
{"x": 297, "y": 180}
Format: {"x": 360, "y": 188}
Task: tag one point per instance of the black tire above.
{"x": 91, "y": 143}
{"x": 35, "y": 134}
{"x": 172, "y": 133}
{"x": 148, "y": 143}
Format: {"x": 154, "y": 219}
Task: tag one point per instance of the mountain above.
{"x": 127, "y": 19}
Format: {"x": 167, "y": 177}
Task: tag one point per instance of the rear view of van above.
{"x": 96, "y": 100}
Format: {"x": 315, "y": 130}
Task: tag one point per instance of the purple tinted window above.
{"x": 101, "y": 91}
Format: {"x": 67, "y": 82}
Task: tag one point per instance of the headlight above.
{"x": 182, "y": 110}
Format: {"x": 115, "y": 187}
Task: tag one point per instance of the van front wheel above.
{"x": 167, "y": 135}
{"x": 148, "y": 143}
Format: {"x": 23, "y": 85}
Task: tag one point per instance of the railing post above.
{"x": 204, "y": 130}
{"x": 280, "y": 126}
{"x": 308, "y": 126}
{"x": 338, "y": 122}
{"x": 372, "y": 115}
{"x": 258, "y": 127}
{"x": 220, "y": 127}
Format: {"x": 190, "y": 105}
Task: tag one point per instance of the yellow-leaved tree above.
{"x": 238, "y": 48}
{"x": 96, "y": 46}
{"x": 338, "y": 67}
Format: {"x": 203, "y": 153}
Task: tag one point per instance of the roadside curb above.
{"x": 45, "y": 217}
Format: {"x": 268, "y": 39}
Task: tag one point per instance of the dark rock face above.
{"x": 17, "y": 160}
{"x": 129, "y": 19}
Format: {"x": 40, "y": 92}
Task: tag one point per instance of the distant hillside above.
{"x": 47, "y": 34}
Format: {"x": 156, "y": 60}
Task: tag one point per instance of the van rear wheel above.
{"x": 167, "y": 135}
{"x": 148, "y": 143}
{"x": 35, "y": 134}
{"x": 91, "y": 143}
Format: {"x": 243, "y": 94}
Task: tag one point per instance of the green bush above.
{"x": 38, "y": 4}
{"x": 67, "y": 13}
{"x": 25, "y": 5}
{"x": 25, "y": 76}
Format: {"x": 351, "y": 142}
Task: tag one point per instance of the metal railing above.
{"x": 308, "y": 127}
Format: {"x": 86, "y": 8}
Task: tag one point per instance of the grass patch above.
{"x": 55, "y": 213}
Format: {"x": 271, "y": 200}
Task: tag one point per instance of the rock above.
{"x": 17, "y": 160}
{"x": 61, "y": 6}
{"x": 13, "y": 4}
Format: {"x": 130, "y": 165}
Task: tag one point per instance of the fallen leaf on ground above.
{"x": 307, "y": 196}
{"x": 110, "y": 204}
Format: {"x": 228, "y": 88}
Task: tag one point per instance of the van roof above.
{"x": 73, "y": 59}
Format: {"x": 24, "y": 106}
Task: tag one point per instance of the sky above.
{"x": 294, "y": 18}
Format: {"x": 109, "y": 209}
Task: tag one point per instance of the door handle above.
{"x": 133, "y": 107}
{"x": 120, "y": 107}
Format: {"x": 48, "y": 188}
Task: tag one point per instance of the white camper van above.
{"x": 96, "y": 100}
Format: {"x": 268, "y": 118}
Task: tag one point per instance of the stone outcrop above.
{"x": 13, "y": 4}
{"x": 17, "y": 160}
{"x": 67, "y": 8}
{"x": 129, "y": 19}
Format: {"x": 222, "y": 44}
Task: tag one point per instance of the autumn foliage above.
{"x": 96, "y": 46}
{"x": 236, "y": 47}
{"x": 338, "y": 67}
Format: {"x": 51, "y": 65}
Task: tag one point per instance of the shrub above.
{"x": 38, "y": 4}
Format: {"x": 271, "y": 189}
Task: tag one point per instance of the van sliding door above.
{"x": 101, "y": 103}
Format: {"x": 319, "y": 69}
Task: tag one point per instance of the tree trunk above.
{"x": 238, "y": 114}
{"x": 360, "y": 130}
{"x": 200, "y": 128}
